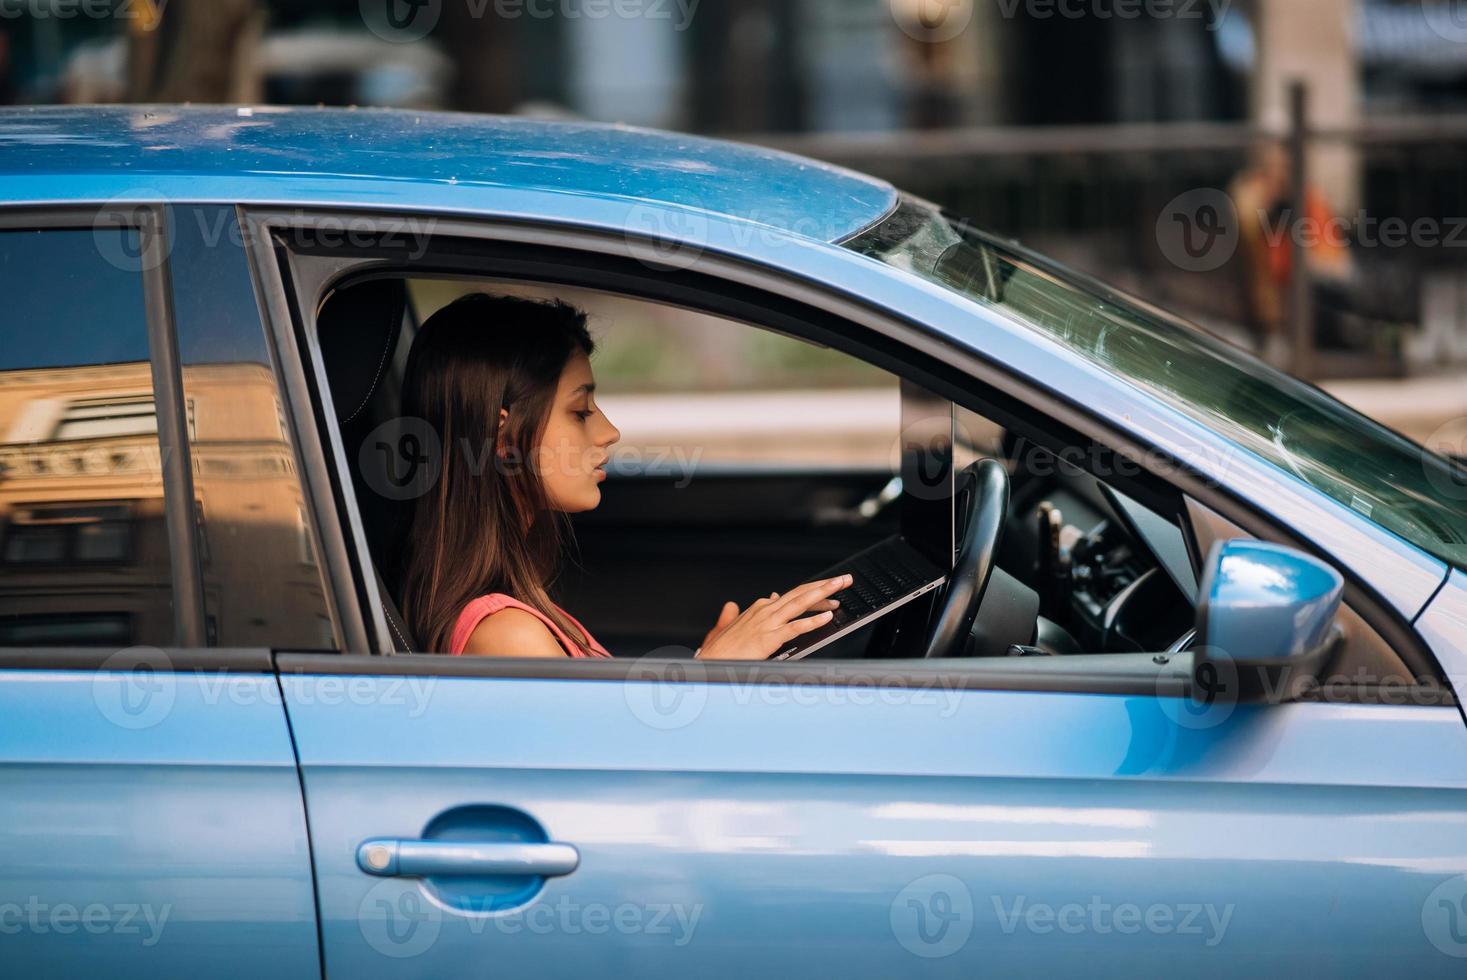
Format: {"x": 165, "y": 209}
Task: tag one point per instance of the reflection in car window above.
{"x": 83, "y": 545}
{"x": 1403, "y": 487}
{"x": 263, "y": 586}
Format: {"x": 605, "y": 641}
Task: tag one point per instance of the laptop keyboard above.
{"x": 882, "y": 575}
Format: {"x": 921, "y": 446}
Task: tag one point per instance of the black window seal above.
{"x": 896, "y": 330}
{"x": 149, "y": 220}
{"x": 1139, "y": 674}
{"x": 201, "y": 660}
{"x": 280, "y": 367}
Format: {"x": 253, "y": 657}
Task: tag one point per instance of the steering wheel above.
{"x": 986, "y": 483}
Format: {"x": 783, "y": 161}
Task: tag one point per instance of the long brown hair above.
{"x": 485, "y": 525}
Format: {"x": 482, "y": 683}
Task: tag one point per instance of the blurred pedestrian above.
{"x": 1262, "y": 198}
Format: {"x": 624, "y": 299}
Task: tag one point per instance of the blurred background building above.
{"x": 1095, "y": 130}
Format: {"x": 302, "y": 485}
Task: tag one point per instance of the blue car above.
{"x": 1176, "y": 693}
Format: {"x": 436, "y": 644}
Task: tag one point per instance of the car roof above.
{"x": 402, "y": 158}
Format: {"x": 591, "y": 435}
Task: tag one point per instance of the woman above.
{"x": 507, "y": 385}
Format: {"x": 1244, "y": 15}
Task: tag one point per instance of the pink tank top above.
{"x": 487, "y": 605}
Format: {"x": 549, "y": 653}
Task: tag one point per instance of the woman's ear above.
{"x": 501, "y": 438}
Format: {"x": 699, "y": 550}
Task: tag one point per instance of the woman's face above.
{"x": 576, "y": 445}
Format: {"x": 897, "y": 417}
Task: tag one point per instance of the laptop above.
{"x": 908, "y": 565}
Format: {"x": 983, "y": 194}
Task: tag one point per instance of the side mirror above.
{"x": 1265, "y": 622}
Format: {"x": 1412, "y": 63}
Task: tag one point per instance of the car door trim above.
{"x": 166, "y": 660}
{"x": 275, "y": 303}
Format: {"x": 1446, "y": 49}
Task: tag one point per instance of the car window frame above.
{"x": 150, "y": 221}
{"x": 279, "y": 238}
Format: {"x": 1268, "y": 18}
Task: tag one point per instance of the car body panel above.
{"x": 1444, "y": 627}
{"x": 152, "y": 825}
{"x": 424, "y": 159}
{"x": 779, "y": 829}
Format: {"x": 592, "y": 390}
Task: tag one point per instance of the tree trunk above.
{"x": 195, "y": 51}
{"x": 486, "y": 58}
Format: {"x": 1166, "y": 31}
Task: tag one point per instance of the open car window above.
{"x": 695, "y": 392}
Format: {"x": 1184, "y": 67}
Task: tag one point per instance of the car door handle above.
{"x": 441, "y": 858}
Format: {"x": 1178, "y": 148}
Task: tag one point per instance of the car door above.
{"x": 869, "y": 826}
{"x": 151, "y": 818}
{"x": 862, "y": 819}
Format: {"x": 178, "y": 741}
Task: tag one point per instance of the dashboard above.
{"x": 1112, "y": 575}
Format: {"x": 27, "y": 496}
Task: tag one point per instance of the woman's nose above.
{"x": 610, "y": 436}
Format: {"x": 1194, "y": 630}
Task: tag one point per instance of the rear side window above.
{"x": 84, "y": 557}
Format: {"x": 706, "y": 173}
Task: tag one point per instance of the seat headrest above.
{"x": 358, "y": 331}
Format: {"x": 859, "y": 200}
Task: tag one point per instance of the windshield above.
{"x": 1401, "y": 486}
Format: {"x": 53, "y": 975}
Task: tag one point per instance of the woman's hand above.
{"x": 768, "y": 625}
